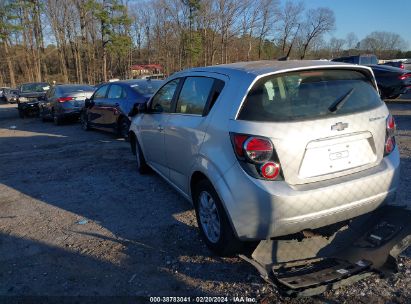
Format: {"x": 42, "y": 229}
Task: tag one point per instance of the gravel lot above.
{"x": 77, "y": 219}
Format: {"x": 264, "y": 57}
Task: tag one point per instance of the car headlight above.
{"x": 23, "y": 99}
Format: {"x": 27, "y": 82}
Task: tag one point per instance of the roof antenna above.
{"x": 285, "y": 58}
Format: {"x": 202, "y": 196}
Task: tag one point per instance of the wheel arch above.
{"x": 133, "y": 138}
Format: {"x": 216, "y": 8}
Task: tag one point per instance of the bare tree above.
{"x": 352, "y": 41}
{"x": 336, "y": 46}
{"x": 383, "y": 43}
{"x": 318, "y": 22}
{"x": 290, "y": 18}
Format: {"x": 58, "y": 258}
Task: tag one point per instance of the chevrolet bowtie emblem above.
{"x": 339, "y": 126}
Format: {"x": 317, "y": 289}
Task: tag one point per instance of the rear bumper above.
{"x": 261, "y": 209}
{"x": 68, "y": 113}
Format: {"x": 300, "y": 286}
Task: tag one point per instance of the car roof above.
{"x": 131, "y": 81}
{"x": 73, "y": 85}
{"x": 267, "y": 66}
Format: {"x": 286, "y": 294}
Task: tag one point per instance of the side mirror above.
{"x": 138, "y": 108}
{"x": 88, "y": 103}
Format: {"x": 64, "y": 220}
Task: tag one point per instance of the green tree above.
{"x": 113, "y": 19}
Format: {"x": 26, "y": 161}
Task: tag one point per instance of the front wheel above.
{"x": 213, "y": 222}
{"x": 21, "y": 113}
{"x": 142, "y": 166}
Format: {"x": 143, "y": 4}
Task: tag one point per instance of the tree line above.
{"x": 91, "y": 41}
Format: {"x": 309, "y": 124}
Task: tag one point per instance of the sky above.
{"x": 365, "y": 16}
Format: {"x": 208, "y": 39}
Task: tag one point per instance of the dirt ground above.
{"x": 76, "y": 219}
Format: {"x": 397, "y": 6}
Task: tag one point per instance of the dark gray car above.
{"x": 64, "y": 101}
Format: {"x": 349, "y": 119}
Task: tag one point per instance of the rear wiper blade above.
{"x": 336, "y": 105}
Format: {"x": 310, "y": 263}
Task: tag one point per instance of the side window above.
{"x": 161, "y": 102}
{"x": 101, "y": 92}
{"x": 194, "y": 95}
{"x": 115, "y": 92}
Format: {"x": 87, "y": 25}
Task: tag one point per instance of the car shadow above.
{"x": 95, "y": 221}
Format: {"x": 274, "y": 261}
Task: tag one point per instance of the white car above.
{"x": 266, "y": 149}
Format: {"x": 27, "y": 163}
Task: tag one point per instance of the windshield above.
{"x": 146, "y": 87}
{"x": 309, "y": 94}
{"x": 34, "y": 87}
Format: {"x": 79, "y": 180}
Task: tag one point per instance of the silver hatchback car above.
{"x": 270, "y": 148}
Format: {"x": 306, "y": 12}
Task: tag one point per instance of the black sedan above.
{"x": 64, "y": 101}
{"x": 28, "y": 98}
{"x": 111, "y": 103}
{"x": 391, "y": 81}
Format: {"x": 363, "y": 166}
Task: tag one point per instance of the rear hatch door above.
{"x": 324, "y": 123}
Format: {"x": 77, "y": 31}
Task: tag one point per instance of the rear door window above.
{"x": 309, "y": 94}
{"x": 115, "y": 92}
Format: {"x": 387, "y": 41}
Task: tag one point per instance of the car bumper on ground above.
{"x": 261, "y": 209}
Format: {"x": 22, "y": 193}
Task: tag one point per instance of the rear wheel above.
{"x": 85, "y": 125}
{"x": 394, "y": 96}
{"x": 57, "y": 119}
{"x": 213, "y": 222}
{"x": 122, "y": 127}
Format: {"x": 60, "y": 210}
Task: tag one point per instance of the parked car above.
{"x": 392, "y": 81}
{"x": 28, "y": 98}
{"x": 10, "y": 95}
{"x": 365, "y": 59}
{"x": 111, "y": 103}
{"x": 64, "y": 101}
{"x": 2, "y": 93}
{"x": 407, "y": 64}
{"x": 396, "y": 64}
{"x": 270, "y": 148}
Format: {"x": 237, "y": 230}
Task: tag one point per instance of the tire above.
{"x": 123, "y": 126}
{"x": 142, "y": 166}
{"x": 42, "y": 116}
{"x": 394, "y": 96}
{"x": 219, "y": 235}
{"x": 85, "y": 125}
{"x": 57, "y": 119}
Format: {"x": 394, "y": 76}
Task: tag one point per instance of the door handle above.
{"x": 160, "y": 128}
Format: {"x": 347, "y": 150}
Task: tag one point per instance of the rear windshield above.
{"x": 75, "y": 88}
{"x": 368, "y": 60}
{"x": 146, "y": 87}
{"x": 309, "y": 94}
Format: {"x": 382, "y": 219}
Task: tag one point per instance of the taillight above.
{"x": 402, "y": 66}
{"x": 389, "y": 137}
{"x": 405, "y": 76}
{"x": 258, "y": 149}
{"x": 270, "y": 170}
{"x": 257, "y": 156}
{"x": 238, "y": 140}
{"x": 64, "y": 99}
